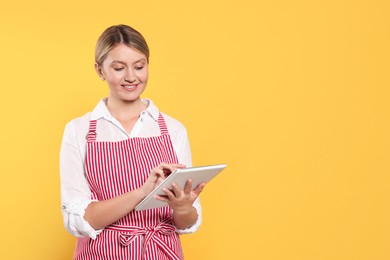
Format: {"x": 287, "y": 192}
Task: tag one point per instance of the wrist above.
{"x": 183, "y": 211}
{"x": 140, "y": 193}
{"x": 184, "y": 218}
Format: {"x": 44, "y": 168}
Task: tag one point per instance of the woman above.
{"x": 114, "y": 156}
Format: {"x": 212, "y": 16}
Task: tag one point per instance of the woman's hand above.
{"x": 181, "y": 200}
{"x": 157, "y": 175}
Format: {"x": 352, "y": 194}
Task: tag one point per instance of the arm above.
{"x": 189, "y": 219}
{"x": 103, "y": 213}
{"x": 75, "y": 192}
{"x": 100, "y": 214}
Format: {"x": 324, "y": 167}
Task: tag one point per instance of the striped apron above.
{"x": 114, "y": 168}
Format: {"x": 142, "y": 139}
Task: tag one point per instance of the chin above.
{"x": 131, "y": 99}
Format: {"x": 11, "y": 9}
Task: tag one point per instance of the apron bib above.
{"x": 114, "y": 168}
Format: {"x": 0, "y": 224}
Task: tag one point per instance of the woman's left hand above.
{"x": 181, "y": 200}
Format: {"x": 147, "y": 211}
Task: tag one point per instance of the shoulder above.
{"x": 80, "y": 122}
{"x": 79, "y": 126}
{"x": 174, "y": 125}
{"x": 177, "y": 130}
{"x": 179, "y": 138}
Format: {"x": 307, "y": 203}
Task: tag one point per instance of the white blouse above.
{"x": 75, "y": 192}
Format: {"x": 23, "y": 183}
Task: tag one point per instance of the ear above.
{"x": 99, "y": 71}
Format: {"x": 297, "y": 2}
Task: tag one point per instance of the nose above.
{"x": 130, "y": 75}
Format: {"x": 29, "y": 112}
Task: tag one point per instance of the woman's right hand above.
{"x": 157, "y": 175}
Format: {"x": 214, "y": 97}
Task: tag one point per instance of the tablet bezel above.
{"x": 199, "y": 174}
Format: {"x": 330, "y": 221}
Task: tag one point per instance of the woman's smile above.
{"x": 130, "y": 87}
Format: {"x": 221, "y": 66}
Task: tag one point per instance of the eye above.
{"x": 139, "y": 68}
{"x": 119, "y": 69}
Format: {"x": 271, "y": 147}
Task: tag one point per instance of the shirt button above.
{"x": 142, "y": 119}
{"x": 63, "y": 207}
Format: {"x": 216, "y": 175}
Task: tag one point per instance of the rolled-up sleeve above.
{"x": 75, "y": 192}
{"x": 73, "y": 214}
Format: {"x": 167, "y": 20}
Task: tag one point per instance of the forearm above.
{"x": 103, "y": 213}
{"x": 185, "y": 218}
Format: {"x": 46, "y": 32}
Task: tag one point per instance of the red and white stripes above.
{"x": 114, "y": 168}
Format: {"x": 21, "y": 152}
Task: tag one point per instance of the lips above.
{"x": 130, "y": 87}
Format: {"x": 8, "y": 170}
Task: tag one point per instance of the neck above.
{"x": 125, "y": 110}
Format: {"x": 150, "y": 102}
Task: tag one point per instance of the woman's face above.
{"x": 126, "y": 72}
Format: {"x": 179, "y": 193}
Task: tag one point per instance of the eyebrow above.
{"x": 124, "y": 63}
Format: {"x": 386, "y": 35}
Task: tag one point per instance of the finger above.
{"x": 176, "y": 190}
{"x": 169, "y": 168}
{"x": 199, "y": 188}
{"x": 169, "y": 193}
{"x": 161, "y": 198}
{"x": 164, "y": 165}
{"x": 179, "y": 165}
{"x": 159, "y": 181}
{"x": 174, "y": 167}
{"x": 158, "y": 172}
{"x": 166, "y": 168}
{"x": 188, "y": 186}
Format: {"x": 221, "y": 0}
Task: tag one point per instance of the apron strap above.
{"x": 91, "y": 135}
{"x": 162, "y": 125}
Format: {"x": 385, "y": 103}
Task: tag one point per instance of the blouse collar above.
{"x": 101, "y": 110}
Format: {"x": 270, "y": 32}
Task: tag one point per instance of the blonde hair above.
{"x": 119, "y": 34}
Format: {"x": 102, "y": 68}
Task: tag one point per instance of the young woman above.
{"x": 114, "y": 156}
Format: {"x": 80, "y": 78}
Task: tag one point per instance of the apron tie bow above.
{"x": 152, "y": 233}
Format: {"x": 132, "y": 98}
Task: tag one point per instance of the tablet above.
{"x": 198, "y": 175}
